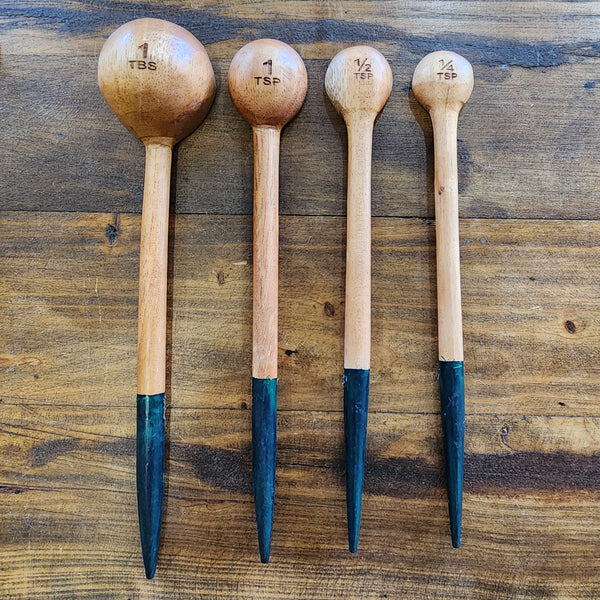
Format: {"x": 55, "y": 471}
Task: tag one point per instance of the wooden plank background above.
{"x": 70, "y": 198}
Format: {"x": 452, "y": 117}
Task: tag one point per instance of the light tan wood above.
{"x": 157, "y": 78}
{"x": 531, "y": 315}
{"x": 267, "y": 82}
{"x": 442, "y": 83}
{"x": 265, "y": 252}
{"x": 154, "y": 258}
{"x": 531, "y": 308}
{"x": 58, "y": 480}
{"x": 358, "y": 82}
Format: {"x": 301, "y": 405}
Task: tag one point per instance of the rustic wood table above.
{"x": 70, "y": 200}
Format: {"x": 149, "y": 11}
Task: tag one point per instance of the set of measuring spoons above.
{"x": 158, "y": 79}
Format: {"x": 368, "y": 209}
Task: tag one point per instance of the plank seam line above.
{"x": 307, "y": 411}
{"x": 430, "y": 220}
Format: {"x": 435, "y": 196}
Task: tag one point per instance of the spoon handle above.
{"x": 264, "y": 330}
{"x": 152, "y": 308}
{"x": 357, "y": 332}
{"x": 265, "y": 252}
{"x": 450, "y": 337}
{"x": 152, "y": 320}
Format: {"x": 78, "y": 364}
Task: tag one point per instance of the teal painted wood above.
{"x": 264, "y": 433}
{"x": 452, "y": 396}
{"x": 150, "y": 474}
{"x": 356, "y": 407}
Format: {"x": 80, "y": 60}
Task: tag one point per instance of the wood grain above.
{"x": 357, "y": 298}
{"x": 533, "y": 120}
{"x": 71, "y": 193}
{"x": 208, "y": 546}
{"x": 442, "y": 83}
{"x": 267, "y": 83}
{"x": 265, "y": 255}
{"x": 160, "y": 100}
{"x": 530, "y": 302}
{"x": 358, "y": 92}
{"x": 154, "y": 260}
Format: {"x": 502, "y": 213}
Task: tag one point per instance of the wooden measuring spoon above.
{"x": 157, "y": 78}
{"x": 442, "y": 83}
{"x": 358, "y": 82}
{"x": 267, "y": 82}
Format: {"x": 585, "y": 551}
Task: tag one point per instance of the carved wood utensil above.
{"x": 358, "y": 82}
{"x": 442, "y": 83}
{"x": 267, "y": 82}
{"x": 157, "y": 78}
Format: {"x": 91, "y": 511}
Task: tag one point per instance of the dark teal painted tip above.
{"x": 264, "y": 433}
{"x": 356, "y": 407}
{"x": 150, "y": 473}
{"x": 452, "y": 396}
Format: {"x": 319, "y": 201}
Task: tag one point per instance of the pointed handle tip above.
{"x": 456, "y": 528}
{"x": 150, "y": 569}
{"x": 264, "y": 522}
{"x": 356, "y": 407}
{"x": 150, "y": 458}
{"x": 452, "y": 396}
{"x": 264, "y": 558}
{"x": 264, "y": 436}
{"x": 455, "y": 513}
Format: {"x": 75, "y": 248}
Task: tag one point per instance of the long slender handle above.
{"x": 450, "y": 337}
{"x": 264, "y": 331}
{"x": 154, "y": 243}
{"x": 357, "y": 331}
{"x": 265, "y": 252}
{"x": 152, "y": 328}
{"x": 357, "y": 343}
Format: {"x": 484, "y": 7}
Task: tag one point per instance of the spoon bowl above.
{"x": 358, "y": 80}
{"x": 443, "y": 80}
{"x": 157, "y": 78}
{"x": 267, "y": 82}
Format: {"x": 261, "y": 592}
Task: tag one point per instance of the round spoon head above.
{"x": 157, "y": 78}
{"x": 443, "y": 80}
{"x": 358, "y": 80}
{"x": 267, "y": 82}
